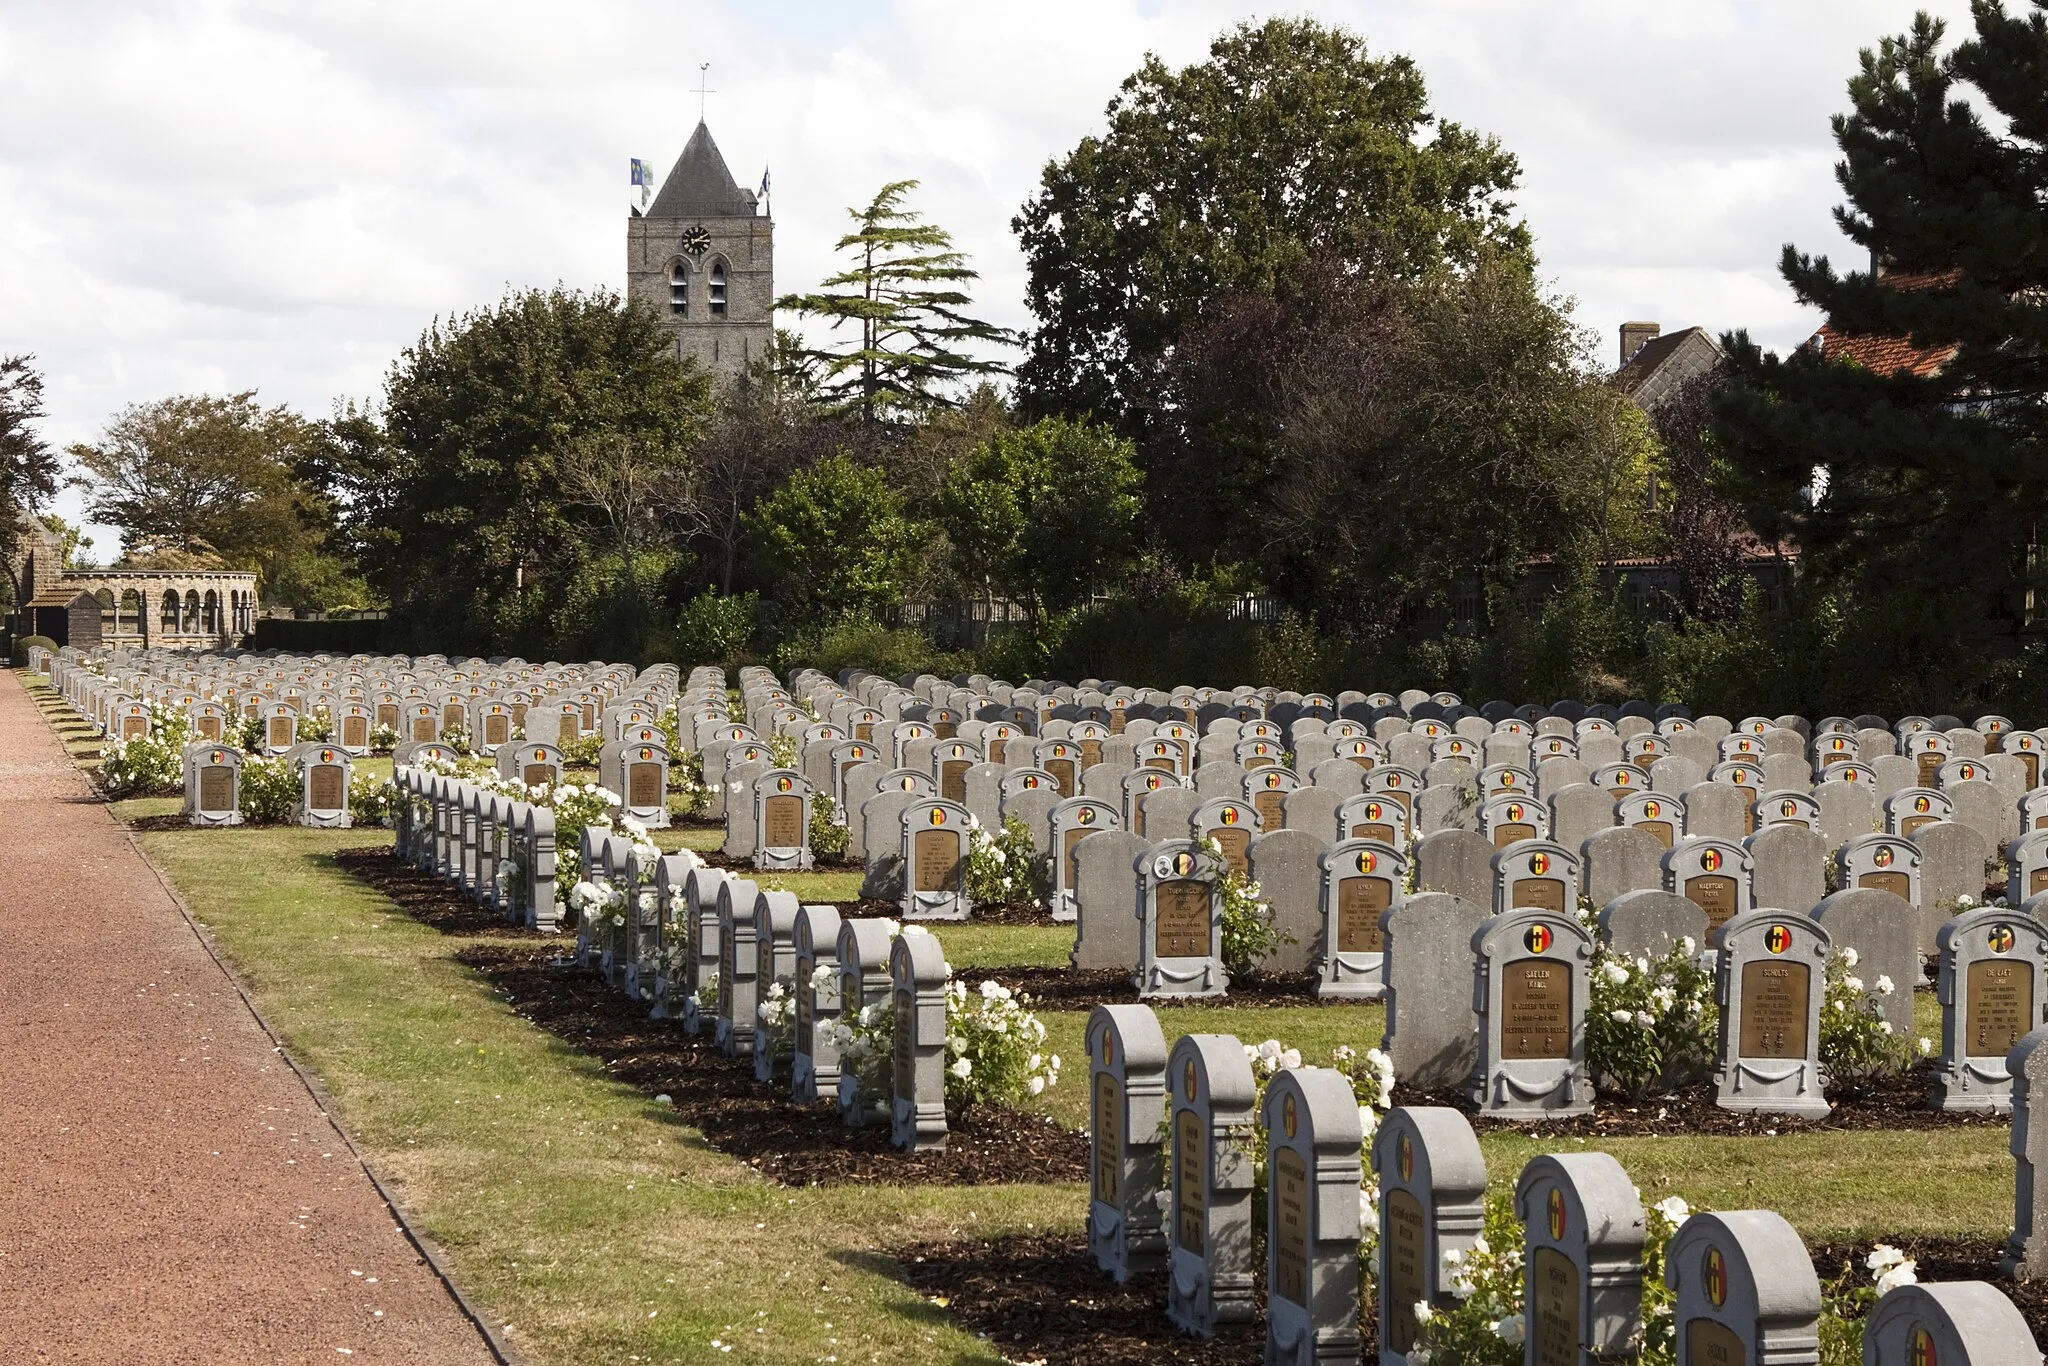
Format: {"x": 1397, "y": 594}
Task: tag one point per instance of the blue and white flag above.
{"x": 643, "y": 177}
{"x": 764, "y": 182}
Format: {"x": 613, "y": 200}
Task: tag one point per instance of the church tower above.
{"x": 703, "y": 257}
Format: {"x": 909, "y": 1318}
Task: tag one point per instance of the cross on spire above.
{"x": 703, "y": 87}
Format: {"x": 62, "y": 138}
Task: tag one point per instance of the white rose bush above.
{"x": 1857, "y": 1044}
{"x": 1651, "y": 1023}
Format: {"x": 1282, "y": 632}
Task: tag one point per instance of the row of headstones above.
{"x": 737, "y": 939}
{"x": 552, "y": 703}
{"x": 1180, "y": 1125}
{"x": 497, "y": 850}
{"x": 213, "y": 784}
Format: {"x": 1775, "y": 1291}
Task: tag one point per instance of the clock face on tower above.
{"x": 696, "y": 240}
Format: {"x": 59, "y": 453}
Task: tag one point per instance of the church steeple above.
{"x": 700, "y": 186}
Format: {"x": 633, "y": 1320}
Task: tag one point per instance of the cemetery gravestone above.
{"x": 1073, "y": 822}
{"x": 1661, "y": 817}
{"x": 933, "y": 848}
{"x": 213, "y": 785}
{"x": 1770, "y": 984}
{"x": 864, "y": 982}
{"x": 1126, "y": 1134}
{"x": 814, "y": 1055}
{"x": 1954, "y": 1323}
{"x": 1621, "y": 860}
{"x": 1582, "y": 1278}
{"x": 1989, "y": 985}
{"x": 1180, "y": 923}
{"x": 1788, "y": 867}
{"x": 782, "y": 821}
{"x": 1106, "y": 902}
{"x": 1459, "y": 862}
{"x": 1368, "y": 817}
{"x": 1210, "y": 1092}
{"x": 1885, "y": 933}
{"x": 1313, "y": 1138}
{"x": 1432, "y": 1180}
{"x": 1649, "y": 924}
{"x": 1535, "y": 875}
{"x": 738, "y": 954}
{"x": 1286, "y": 865}
{"x": 1359, "y": 882}
{"x": 1713, "y": 874}
{"x": 1746, "y": 1293}
{"x": 1530, "y": 985}
{"x": 917, "y": 1059}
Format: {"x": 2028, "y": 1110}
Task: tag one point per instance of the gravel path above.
{"x": 169, "y": 1191}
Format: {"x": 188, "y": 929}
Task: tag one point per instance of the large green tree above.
{"x": 29, "y": 470}
{"x": 834, "y": 540}
{"x": 1046, "y": 515}
{"x": 1291, "y": 142}
{"x": 904, "y": 297}
{"x": 466, "y": 509}
{"x": 1932, "y": 473}
{"x": 1366, "y": 442}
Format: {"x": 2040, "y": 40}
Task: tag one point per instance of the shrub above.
{"x": 270, "y": 790}
{"x": 372, "y": 800}
{"x": 27, "y": 643}
{"x": 828, "y": 837}
{"x": 1650, "y": 1023}
{"x": 1006, "y": 869}
{"x": 1857, "y": 1044}
{"x": 151, "y": 765}
{"x": 714, "y": 629}
{"x": 995, "y": 1048}
{"x": 1249, "y": 933}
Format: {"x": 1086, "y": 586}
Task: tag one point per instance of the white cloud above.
{"x": 230, "y": 194}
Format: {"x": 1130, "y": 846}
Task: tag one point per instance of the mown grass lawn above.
{"x": 602, "y": 1229}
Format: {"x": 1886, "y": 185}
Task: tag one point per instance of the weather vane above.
{"x": 703, "y": 84}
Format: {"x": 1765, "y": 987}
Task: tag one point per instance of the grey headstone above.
{"x": 1106, "y": 901}
{"x": 1953, "y": 858}
{"x": 1578, "y": 812}
{"x": 1674, "y": 774}
{"x": 1126, "y": 1134}
{"x": 1788, "y": 867}
{"x": 1530, "y": 980}
{"x": 1447, "y": 808}
{"x": 1768, "y": 1306}
{"x": 1967, "y": 1322}
{"x": 1650, "y": 923}
{"x": 1716, "y": 811}
{"x": 1884, "y": 929}
{"x": 1459, "y": 862}
{"x": 1287, "y": 866}
{"x": 1989, "y": 985}
{"x": 1165, "y": 814}
{"x": 1620, "y": 860}
{"x": 1981, "y": 806}
{"x": 1180, "y": 923}
{"x": 1210, "y": 1093}
{"x": 1770, "y": 983}
{"x": 1314, "y": 809}
{"x": 1432, "y": 1180}
{"x": 1582, "y": 1273}
{"x": 1846, "y": 811}
{"x": 917, "y": 1064}
{"x": 1431, "y": 1022}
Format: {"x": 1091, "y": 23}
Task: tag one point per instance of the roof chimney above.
{"x": 1635, "y": 336}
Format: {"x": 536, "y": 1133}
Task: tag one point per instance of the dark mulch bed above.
{"x": 756, "y": 1123}
{"x": 718, "y": 1095}
{"x": 1898, "y": 1102}
{"x": 1040, "y": 1298}
{"x": 1065, "y": 989}
{"x": 172, "y": 821}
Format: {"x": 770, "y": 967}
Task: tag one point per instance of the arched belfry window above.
{"x": 679, "y": 287}
{"x": 718, "y": 289}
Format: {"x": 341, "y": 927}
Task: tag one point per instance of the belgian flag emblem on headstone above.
{"x": 1714, "y": 1272}
{"x": 1538, "y": 938}
{"x": 1778, "y": 938}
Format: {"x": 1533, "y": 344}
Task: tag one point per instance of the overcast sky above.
{"x": 217, "y": 195}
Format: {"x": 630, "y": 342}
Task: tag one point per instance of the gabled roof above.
{"x": 1885, "y": 355}
{"x": 700, "y": 186}
{"x": 1663, "y": 364}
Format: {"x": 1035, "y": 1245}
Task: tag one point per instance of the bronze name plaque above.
{"x": 1536, "y": 1008}
{"x": 1774, "y": 1009}
{"x": 1930, "y": 769}
{"x": 1537, "y": 893}
{"x": 355, "y": 731}
{"x": 1554, "y": 1308}
{"x": 782, "y": 822}
{"x": 216, "y": 788}
{"x": 451, "y": 715}
{"x": 643, "y": 785}
{"x": 1091, "y": 753}
{"x": 1068, "y": 860}
{"x": 1912, "y": 823}
{"x": 423, "y": 728}
{"x": 537, "y": 775}
{"x": 2001, "y": 1006}
{"x": 497, "y": 728}
{"x": 282, "y": 731}
{"x": 1271, "y": 809}
{"x": 1383, "y": 833}
{"x": 1713, "y": 893}
{"x": 1180, "y": 919}
{"x": 134, "y": 727}
{"x": 1108, "y": 1131}
{"x": 324, "y": 788}
{"x": 1359, "y": 903}
{"x": 2037, "y": 881}
{"x": 1190, "y": 1188}
{"x": 935, "y": 861}
{"x": 1236, "y": 846}
{"x": 1062, "y": 771}
{"x": 1708, "y": 1343}
{"x": 1897, "y": 883}
{"x": 387, "y": 714}
{"x": 1290, "y": 1226}
{"x": 903, "y": 1051}
{"x": 1658, "y": 830}
{"x": 1405, "y": 1261}
{"x": 1504, "y": 835}
{"x": 209, "y": 728}
{"x": 953, "y": 780}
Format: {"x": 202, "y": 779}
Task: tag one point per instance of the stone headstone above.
{"x": 1952, "y": 1323}
{"x": 1431, "y": 1019}
{"x": 1371, "y": 816}
{"x": 1718, "y": 810}
{"x": 864, "y": 981}
{"x": 1287, "y": 866}
{"x": 2026, "y": 1253}
{"x": 1359, "y": 882}
{"x": 1746, "y": 1293}
{"x": 1714, "y": 874}
{"x": 1106, "y": 901}
{"x": 1650, "y": 923}
{"x": 814, "y": 1056}
{"x": 1788, "y": 867}
{"x": 1210, "y": 1093}
{"x": 1535, "y": 874}
{"x": 1459, "y": 862}
{"x": 1770, "y": 985}
{"x": 1166, "y": 814}
{"x": 1313, "y": 809}
{"x": 1582, "y": 1274}
{"x": 1180, "y": 923}
{"x": 1881, "y": 862}
{"x": 1579, "y": 811}
{"x": 781, "y": 809}
{"x": 1953, "y": 861}
{"x": 1884, "y": 930}
{"x": 933, "y": 849}
{"x": 1990, "y": 987}
{"x": 1619, "y": 860}
{"x": 1432, "y": 1179}
{"x": 1847, "y": 810}
{"x": 917, "y": 1060}
{"x": 738, "y": 956}
{"x": 1126, "y": 1135}
{"x": 1530, "y": 982}
{"x": 1074, "y": 822}
{"x": 1313, "y": 1172}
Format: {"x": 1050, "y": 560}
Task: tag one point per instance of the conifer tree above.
{"x": 1907, "y": 453}
{"x": 903, "y": 295}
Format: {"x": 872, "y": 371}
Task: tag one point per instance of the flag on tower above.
{"x": 643, "y": 177}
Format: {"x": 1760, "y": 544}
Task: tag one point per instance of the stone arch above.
{"x": 134, "y": 617}
{"x": 191, "y": 612}
{"x": 168, "y": 617}
{"x": 209, "y": 613}
{"x": 679, "y": 287}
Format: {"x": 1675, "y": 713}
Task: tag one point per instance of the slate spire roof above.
{"x": 700, "y": 186}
